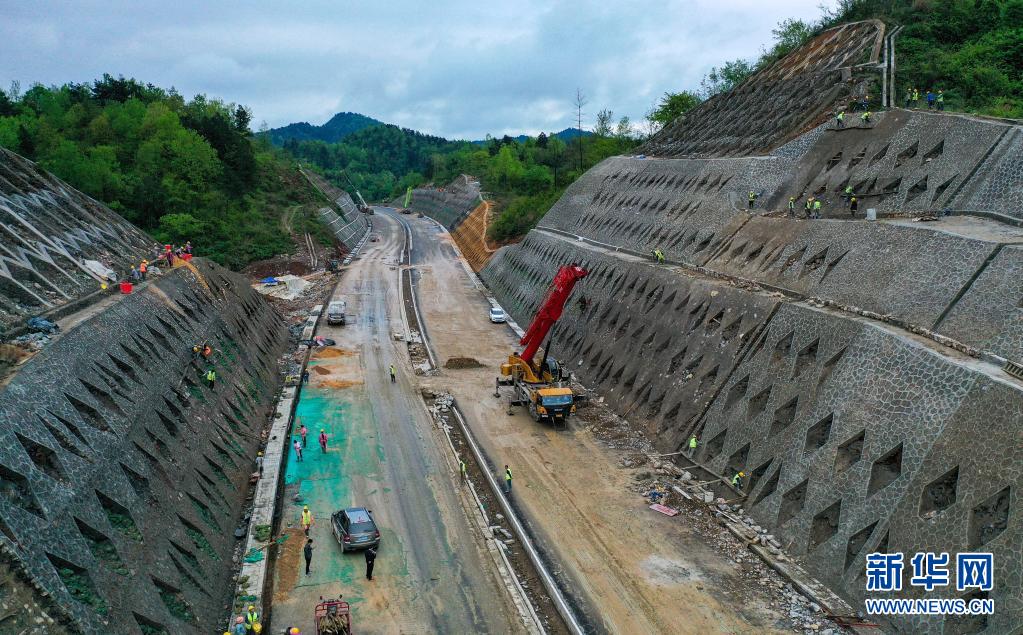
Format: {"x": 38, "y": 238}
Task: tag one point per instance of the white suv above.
{"x": 497, "y": 315}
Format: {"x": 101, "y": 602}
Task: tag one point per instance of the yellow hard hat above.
{"x": 305, "y": 507}
{"x": 742, "y": 474}
{"x": 252, "y": 608}
{"x": 294, "y": 631}
{"x": 259, "y": 454}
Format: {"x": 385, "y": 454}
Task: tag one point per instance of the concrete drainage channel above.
{"x": 545, "y": 608}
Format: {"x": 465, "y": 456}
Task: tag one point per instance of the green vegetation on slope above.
{"x": 525, "y": 176}
{"x": 179, "y": 170}
{"x": 971, "y": 49}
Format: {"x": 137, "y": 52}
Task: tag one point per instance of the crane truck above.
{"x": 363, "y": 207}
{"x": 540, "y": 386}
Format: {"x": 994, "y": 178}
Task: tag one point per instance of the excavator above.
{"x": 540, "y": 386}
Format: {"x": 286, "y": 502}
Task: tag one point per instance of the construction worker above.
{"x": 323, "y": 441}
{"x": 462, "y": 469}
{"x": 307, "y": 551}
{"x": 840, "y": 119}
{"x": 809, "y": 207}
{"x": 865, "y": 117}
{"x": 207, "y": 350}
{"x": 737, "y": 480}
{"x": 196, "y": 351}
{"x": 909, "y": 97}
{"x": 865, "y": 102}
{"x": 298, "y": 450}
{"x": 916, "y": 97}
{"x": 143, "y": 269}
{"x": 854, "y": 205}
{"x": 507, "y": 480}
{"x": 931, "y": 97}
{"x": 239, "y": 628}
{"x": 752, "y": 198}
{"x": 692, "y": 446}
{"x": 371, "y": 557}
{"x": 816, "y": 208}
{"x": 848, "y": 191}
{"x": 304, "y": 431}
{"x": 134, "y": 274}
{"x": 941, "y": 100}
{"x": 251, "y": 617}
{"x": 211, "y": 378}
{"x": 792, "y": 206}
{"x": 307, "y": 519}
{"x": 392, "y": 371}
{"x": 259, "y": 463}
{"x": 658, "y": 255}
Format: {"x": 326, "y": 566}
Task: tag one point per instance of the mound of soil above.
{"x": 462, "y": 362}
{"x": 320, "y": 370}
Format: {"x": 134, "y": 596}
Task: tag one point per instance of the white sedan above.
{"x": 497, "y": 315}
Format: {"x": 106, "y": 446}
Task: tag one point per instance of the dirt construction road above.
{"x": 433, "y": 573}
{"x": 627, "y": 568}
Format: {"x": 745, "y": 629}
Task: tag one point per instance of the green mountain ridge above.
{"x": 337, "y": 128}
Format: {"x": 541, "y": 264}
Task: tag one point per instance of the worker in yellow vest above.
{"x": 307, "y": 519}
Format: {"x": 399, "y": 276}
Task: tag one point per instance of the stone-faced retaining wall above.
{"x": 124, "y": 474}
{"x": 447, "y": 205}
{"x": 789, "y": 97}
{"x": 47, "y": 230}
{"x": 856, "y": 437}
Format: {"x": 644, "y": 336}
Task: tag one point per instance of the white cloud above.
{"x": 458, "y": 69}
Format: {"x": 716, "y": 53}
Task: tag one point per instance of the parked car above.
{"x": 354, "y": 528}
{"x": 497, "y": 315}
{"x": 336, "y": 312}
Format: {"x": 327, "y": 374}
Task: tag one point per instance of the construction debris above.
{"x": 462, "y": 362}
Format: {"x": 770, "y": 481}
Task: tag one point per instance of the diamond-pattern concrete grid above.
{"x": 857, "y": 433}
{"x": 122, "y": 474}
{"x": 47, "y": 231}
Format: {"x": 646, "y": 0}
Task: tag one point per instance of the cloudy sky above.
{"x": 460, "y": 69}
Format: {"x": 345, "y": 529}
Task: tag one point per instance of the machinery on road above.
{"x": 540, "y": 386}
{"x": 405, "y": 209}
{"x": 333, "y": 617}
{"x": 363, "y": 206}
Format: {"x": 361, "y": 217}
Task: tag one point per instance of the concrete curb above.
{"x": 264, "y": 501}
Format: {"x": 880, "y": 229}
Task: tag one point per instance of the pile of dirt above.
{"x": 328, "y": 352}
{"x": 462, "y": 362}
{"x": 338, "y": 383}
{"x": 320, "y": 370}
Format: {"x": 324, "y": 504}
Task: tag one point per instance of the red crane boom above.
{"x": 561, "y": 287}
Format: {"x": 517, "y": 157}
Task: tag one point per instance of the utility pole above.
{"x": 580, "y": 101}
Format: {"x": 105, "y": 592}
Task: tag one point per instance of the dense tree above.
{"x": 672, "y": 106}
{"x": 180, "y": 170}
{"x": 605, "y": 118}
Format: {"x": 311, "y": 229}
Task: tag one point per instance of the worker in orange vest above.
{"x": 143, "y": 269}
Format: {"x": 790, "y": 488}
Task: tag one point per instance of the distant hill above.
{"x": 340, "y": 126}
{"x": 565, "y": 135}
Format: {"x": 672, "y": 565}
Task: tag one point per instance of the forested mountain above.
{"x": 179, "y": 170}
{"x": 340, "y": 126}
{"x": 526, "y": 175}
